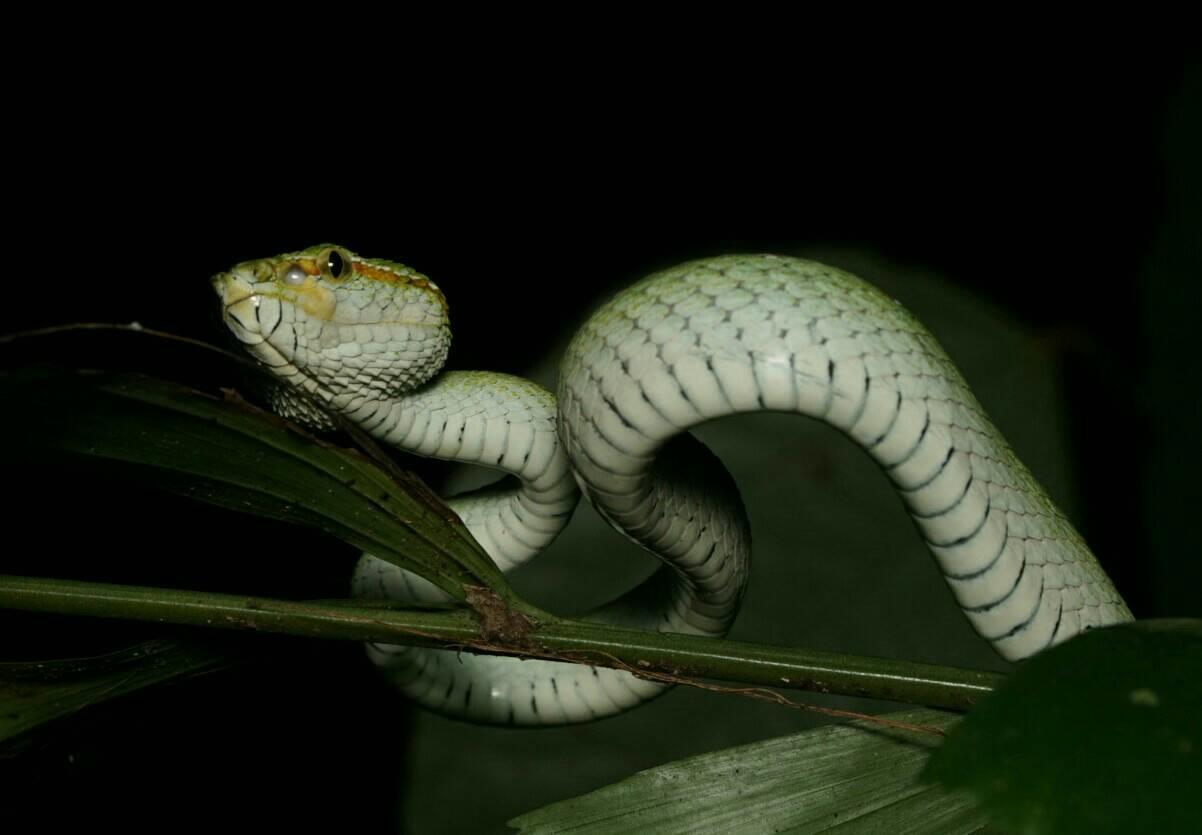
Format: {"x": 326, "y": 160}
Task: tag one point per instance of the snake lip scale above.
{"x": 367, "y": 338}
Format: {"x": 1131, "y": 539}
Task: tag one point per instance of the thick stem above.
{"x": 678, "y": 656}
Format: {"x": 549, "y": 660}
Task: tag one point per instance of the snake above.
{"x": 368, "y": 338}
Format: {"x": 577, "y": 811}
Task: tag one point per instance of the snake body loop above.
{"x": 697, "y": 342}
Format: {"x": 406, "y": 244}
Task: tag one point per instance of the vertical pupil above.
{"x": 336, "y": 264}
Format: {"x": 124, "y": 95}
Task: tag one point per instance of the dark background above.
{"x": 1065, "y": 193}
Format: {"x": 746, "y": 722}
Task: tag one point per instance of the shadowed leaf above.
{"x": 1100, "y": 734}
{"x": 227, "y": 453}
{"x": 35, "y": 692}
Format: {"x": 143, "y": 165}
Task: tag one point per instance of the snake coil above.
{"x": 706, "y": 339}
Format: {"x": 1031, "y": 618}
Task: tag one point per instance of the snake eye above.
{"x": 335, "y": 263}
{"x": 294, "y": 275}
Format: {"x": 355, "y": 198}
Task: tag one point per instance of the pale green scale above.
{"x": 696, "y": 342}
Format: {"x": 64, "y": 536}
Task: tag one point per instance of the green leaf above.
{"x": 1100, "y": 734}
{"x": 227, "y": 453}
{"x": 35, "y": 692}
{"x": 859, "y": 777}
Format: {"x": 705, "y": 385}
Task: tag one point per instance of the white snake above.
{"x": 705, "y": 339}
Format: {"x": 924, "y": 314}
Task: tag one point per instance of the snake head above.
{"x": 341, "y": 327}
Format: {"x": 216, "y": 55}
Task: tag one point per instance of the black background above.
{"x": 1065, "y": 190}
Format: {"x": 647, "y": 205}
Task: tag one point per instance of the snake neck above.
{"x": 495, "y": 421}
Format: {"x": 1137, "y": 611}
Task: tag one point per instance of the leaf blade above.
{"x": 843, "y": 777}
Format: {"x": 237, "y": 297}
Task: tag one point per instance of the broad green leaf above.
{"x": 35, "y": 692}
{"x": 1100, "y": 734}
{"x": 227, "y": 453}
{"x": 853, "y": 778}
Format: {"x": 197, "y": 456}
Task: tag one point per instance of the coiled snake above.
{"x": 705, "y": 339}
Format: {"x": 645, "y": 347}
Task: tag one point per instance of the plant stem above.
{"x": 681, "y": 656}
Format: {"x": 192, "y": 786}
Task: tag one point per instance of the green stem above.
{"x": 681, "y": 656}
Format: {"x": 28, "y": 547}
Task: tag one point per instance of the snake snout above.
{"x": 231, "y": 289}
{"x": 239, "y": 304}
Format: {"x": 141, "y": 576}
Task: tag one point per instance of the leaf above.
{"x": 1100, "y": 734}
{"x": 35, "y": 692}
{"x": 227, "y": 453}
{"x": 858, "y": 777}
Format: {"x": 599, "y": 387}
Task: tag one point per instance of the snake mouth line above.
{"x": 409, "y": 323}
{"x": 222, "y": 281}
